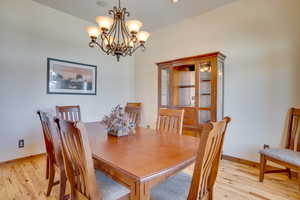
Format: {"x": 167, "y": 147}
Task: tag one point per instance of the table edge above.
{"x": 151, "y": 176}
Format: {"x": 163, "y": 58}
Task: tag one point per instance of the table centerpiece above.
{"x": 117, "y": 122}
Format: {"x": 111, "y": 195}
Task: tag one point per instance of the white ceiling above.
{"x": 153, "y": 13}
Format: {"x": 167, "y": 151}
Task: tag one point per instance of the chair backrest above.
{"x": 134, "y": 104}
{"x": 78, "y": 161}
{"x": 70, "y": 113}
{"x": 293, "y": 139}
{"x": 190, "y": 116}
{"x": 207, "y": 162}
{"x": 170, "y": 120}
{"x": 134, "y": 114}
{"x": 51, "y": 138}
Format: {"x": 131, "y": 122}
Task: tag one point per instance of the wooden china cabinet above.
{"x": 195, "y": 84}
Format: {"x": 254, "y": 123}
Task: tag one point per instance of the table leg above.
{"x": 140, "y": 191}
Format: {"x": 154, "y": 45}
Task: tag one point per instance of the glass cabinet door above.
{"x": 165, "y": 86}
{"x": 205, "y": 92}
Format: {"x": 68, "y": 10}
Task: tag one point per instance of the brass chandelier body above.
{"x": 121, "y": 38}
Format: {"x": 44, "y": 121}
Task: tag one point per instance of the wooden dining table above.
{"x": 143, "y": 159}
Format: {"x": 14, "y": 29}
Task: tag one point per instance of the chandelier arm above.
{"x": 126, "y": 43}
{"x": 126, "y": 13}
{"x": 119, "y": 32}
{"x": 127, "y": 51}
{"x": 139, "y": 46}
{"x": 104, "y": 37}
{"x": 111, "y": 39}
{"x": 114, "y": 30}
{"x": 127, "y": 37}
{"x": 112, "y": 12}
{"x": 124, "y": 26}
{"x": 125, "y": 40}
{"x": 132, "y": 40}
{"x": 93, "y": 42}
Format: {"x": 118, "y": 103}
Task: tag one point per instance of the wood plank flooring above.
{"x": 25, "y": 180}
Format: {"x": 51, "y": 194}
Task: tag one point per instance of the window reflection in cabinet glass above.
{"x": 205, "y": 101}
{"x": 205, "y": 87}
{"x": 187, "y": 96}
{"x": 186, "y": 78}
{"x": 204, "y": 116}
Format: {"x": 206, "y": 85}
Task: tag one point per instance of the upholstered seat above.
{"x": 285, "y": 155}
{"x": 110, "y": 189}
{"x": 175, "y": 188}
{"x": 289, "y": 156}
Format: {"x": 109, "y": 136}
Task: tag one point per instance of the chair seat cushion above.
{"x": 175, "y": 188}
{"x": 284, "y": 155}
{"x": 110, "y": 189}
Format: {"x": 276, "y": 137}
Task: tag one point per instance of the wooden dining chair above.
{"x": 54, "y": 158}
{"x": 71, "y": 113}
{"x": 134, "y": 114}
{"x": 77, "y": 155}
{"x": 201, "y": 185}
{"x": 289, "y": 156}
{"x": 134, "y": 104}
{"x": 170, "y": 120}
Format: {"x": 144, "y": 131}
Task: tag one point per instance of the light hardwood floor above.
{"x": 25, "y": 180}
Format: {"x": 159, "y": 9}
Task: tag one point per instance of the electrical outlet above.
{"x": 21, "y": 143}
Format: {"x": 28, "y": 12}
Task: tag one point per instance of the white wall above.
{"x": 29, "y": 34}
{"x": 261, "y": 39}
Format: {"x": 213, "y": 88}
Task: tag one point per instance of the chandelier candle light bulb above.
{"x": 115, "y": 36}
{"x": 93, "y": 31}
{"x": 143, "y": 36}
{"x": 104, "y": 22}
{"x": 134, "y": 26}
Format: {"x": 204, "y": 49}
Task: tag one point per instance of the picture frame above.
{"x": 66, "y": 77}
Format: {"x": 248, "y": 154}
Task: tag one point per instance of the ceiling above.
{"x": 154, "y": 14}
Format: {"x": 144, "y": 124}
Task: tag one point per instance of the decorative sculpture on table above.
{"x": 117, "y": 123}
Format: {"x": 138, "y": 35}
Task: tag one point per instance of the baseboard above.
{"x": 240, "y": 160}
{"x": 22, "y": 158}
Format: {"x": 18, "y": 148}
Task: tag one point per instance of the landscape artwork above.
{"x": 65, "y": 77}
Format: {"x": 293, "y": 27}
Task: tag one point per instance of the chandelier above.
{"x": 115, "y": 36}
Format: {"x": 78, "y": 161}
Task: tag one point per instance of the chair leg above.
{"x": 263, "y": 162}
{"x": 47, "y": 167}
{"x": 298, "y": 178}
{"x": 289, "y": 173}
{"x": 211, "y": 194}
{"x": 63, "y": 183}
{"x": 51, "y": 178}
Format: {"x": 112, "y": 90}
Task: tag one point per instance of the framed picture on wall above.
{"x": 65, "y": 77}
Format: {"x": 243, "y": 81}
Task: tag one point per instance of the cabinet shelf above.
{"x": 204, "y": 108}
{"x": 186, "y": 86}
{"x": 206, "y": 94}
{"x": 184, "y": 106}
